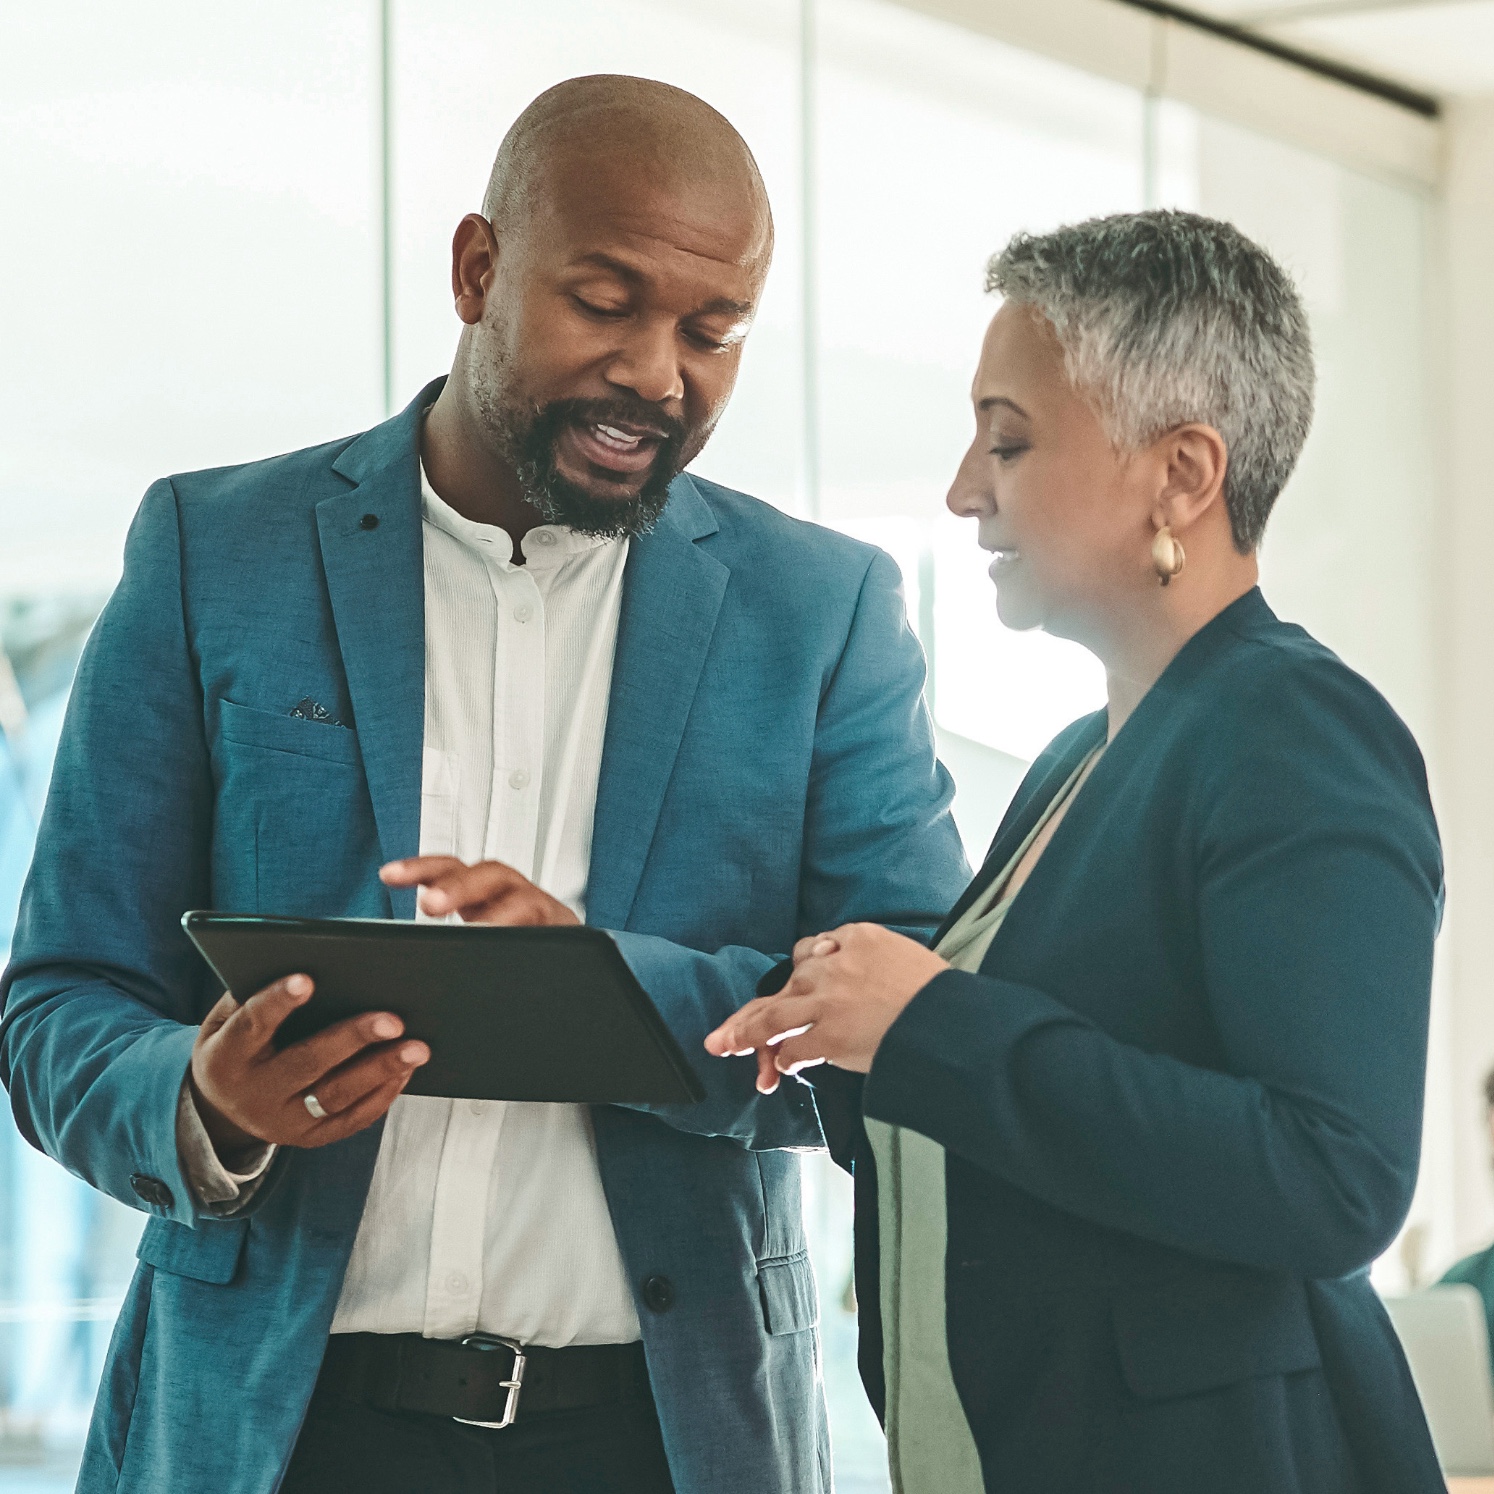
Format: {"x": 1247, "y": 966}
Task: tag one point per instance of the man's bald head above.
{"x": 655, "y": 133}
{"x": 607, "y": 289}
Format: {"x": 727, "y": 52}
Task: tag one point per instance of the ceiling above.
{"x": 1445, "y": 47}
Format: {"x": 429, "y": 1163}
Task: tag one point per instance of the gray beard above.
{"x": 530, "y": 450}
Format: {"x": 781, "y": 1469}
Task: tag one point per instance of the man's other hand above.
{"x": 486, "y": 892}
{"x": 248, "y": 1092}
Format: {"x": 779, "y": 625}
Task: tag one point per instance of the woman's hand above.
{"x": 847, "y": 989}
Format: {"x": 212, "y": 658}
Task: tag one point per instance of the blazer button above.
{"x": 152, "y": 1190}
{"x": 658, "y": 1293}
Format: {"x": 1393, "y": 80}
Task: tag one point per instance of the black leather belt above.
{"x": 481, "y": 1380}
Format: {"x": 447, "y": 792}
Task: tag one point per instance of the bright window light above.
{"x": 1012, "y": 691}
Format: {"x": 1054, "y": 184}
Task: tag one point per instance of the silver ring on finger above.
{"x": 314, "y": 1105}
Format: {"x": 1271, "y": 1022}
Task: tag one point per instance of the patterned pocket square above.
{"x": 307, "y": 709}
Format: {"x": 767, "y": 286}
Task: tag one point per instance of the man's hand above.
{"x": 487, "y": 892}
{"x": 249, "y": 1093}
{"x": 848, "y": 987}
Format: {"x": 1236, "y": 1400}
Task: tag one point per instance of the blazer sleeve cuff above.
{"x": 135, "y": 1114}
{"x": 947, "y": 1067}
{"x": 694, "y": 993}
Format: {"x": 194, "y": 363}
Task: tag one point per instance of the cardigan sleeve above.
{"x": 1317, "y": 886}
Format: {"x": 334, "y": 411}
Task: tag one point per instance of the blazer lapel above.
{"x": 373, "y": 556}
{"x": 672, "y": 592}
{"x": 1032, "y": 798}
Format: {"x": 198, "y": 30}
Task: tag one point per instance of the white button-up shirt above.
{"x": 489, "y": 1215}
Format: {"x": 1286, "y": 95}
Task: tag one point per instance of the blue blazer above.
{"x": 1182, "y": 1099}
{"x": 768, "y": 771}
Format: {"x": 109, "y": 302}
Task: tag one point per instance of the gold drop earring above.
{"x": 1168, "y": 556}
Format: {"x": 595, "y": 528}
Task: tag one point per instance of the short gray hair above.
{"x": 1166, "y": 318}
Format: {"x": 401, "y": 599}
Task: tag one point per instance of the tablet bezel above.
{"x": 599, "y": 945}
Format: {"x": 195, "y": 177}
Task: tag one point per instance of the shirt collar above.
{"x": 545, "y": 546}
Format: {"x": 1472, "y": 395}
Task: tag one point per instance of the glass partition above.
{"x": 187, "y": 278}
{"x": 934, "y": 146}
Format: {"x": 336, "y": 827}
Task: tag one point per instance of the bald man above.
{"x": 497, "y": 659}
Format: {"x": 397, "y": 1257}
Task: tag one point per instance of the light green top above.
{"x": 930, "y": 1449}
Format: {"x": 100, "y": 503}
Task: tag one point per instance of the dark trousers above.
{"x": 346, "y": 1448}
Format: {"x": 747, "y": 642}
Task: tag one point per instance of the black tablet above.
{"x": 510, "y": 1014}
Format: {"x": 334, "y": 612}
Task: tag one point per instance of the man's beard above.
{"x": 531, "y": 448}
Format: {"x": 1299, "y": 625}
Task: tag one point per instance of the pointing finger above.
{"x": 416, "y": 869}
{"x": 460, "y": 888}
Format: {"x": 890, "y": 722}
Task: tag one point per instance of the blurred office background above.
{"x": 224, "y": 233}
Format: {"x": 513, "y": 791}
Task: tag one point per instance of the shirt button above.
{"x": 658, "y": 1293}
{"x": 519, "y": 778}
{"x": 544, "y": 537}
{"x": 523, "y": 612}
{"x": 477, "y": 1107}
{"x": 456, "y": 1283}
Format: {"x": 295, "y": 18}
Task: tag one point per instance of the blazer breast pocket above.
{"x": 294, "y": 829}
{"x": 249, "y": 727}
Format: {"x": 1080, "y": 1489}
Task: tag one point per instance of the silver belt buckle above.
{"x": 490, "y": 1341}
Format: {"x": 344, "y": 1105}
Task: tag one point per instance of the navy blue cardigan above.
{"x": 1182, "y": 1099}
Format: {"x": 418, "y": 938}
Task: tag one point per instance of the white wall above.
{"x": 188, "y": 265}
{"x": 1212, "y": 74}
{"x": 1462, "y": 530}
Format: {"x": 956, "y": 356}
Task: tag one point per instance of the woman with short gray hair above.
{"x": 1127, "y": 1136}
